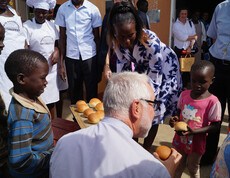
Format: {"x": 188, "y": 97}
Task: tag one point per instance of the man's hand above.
{"x": 62, "y": 73}
{"x": 172, "y": 162}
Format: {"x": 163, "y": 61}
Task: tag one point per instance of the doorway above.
{"x": 201, "y": 5}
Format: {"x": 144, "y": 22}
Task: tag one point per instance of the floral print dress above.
{"x": 160, "y": 63}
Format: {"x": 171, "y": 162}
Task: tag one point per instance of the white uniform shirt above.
{"x": 219, "y": 29}
{"x": 41, "y": 38}
{"x": 104, "y": 150}
{"x": 14, "y": 39}
{"x": 79, "y": 24}
{"x": 181, "y": 33}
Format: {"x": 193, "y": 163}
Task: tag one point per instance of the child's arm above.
{"x": 22, "y": 158}
{"x": 175, "y": 118}
{"x": 213, "y": 127}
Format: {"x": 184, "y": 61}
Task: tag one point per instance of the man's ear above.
{"x": 136, "y": 110}
{"x": 21, "y": 78}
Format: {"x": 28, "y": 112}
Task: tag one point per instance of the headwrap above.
{"x": 41, "y": 4}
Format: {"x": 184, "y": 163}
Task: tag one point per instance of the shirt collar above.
{"x": 124, "y": 128}
{"x": 30, "y": 105}
{"x": 181, "y": 22}
{"x": 83, "y": 5}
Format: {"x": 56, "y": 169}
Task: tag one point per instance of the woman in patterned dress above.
{"x": 140, "y": 50}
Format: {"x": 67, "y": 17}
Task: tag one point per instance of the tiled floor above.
{"x": 164, "y": 136}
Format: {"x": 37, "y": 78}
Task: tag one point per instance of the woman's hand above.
{"x": 54, "y": 56}
{"x": 108, "y": 72}
{"x": 172, "y": 120}
{"x": 188, "y": 50}
{"x": 172, "y": 162}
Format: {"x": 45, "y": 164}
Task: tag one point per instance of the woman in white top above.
{"x": 184, "y": 38}
{"x": 42, "y": 37}
{"x": 14, "y": 39}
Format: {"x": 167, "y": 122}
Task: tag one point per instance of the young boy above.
{"x": 30, "y": 134}
{"x": 3, "y": 122}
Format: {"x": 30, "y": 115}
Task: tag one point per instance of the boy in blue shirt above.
{"x": 30, "y": 141}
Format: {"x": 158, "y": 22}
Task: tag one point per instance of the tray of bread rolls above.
{"x": 88, "y": 114}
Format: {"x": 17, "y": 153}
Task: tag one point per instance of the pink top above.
{"x": 197, "y": 114}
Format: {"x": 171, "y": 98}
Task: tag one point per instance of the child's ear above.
{"x": 21, "y": 78}
{"x": 213, "y": 79}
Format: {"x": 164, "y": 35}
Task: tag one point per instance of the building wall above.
{"x": 162, "y": 28}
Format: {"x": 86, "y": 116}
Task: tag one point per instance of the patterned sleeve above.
{"x": 214, "y": 114}
{"x": 165, "y": 73}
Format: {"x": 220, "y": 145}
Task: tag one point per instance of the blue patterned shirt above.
{"x": 30, "y": 138}
{"x": 160, "y": 63}
{"x": 221, "y": 167}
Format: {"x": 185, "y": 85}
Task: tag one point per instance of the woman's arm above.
{"x": 107, "y": 70}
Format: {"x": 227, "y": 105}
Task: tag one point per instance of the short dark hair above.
{"x": 141, "y": 4}
{"x": 22, "y": 61}
{"x": 123, "y": 12}
{"x": 201, "y": 65}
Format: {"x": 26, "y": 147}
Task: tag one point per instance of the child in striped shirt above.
{"x": 30, "y": 140}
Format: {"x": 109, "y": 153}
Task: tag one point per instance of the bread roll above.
{"x": 180, "y": 126}
{"x": 93, "y": 102}
{"x": 100, "y": 114}
{"x": 82, "y": 107}
{"x": 88, "y": 111}
{"x": 164, "y": 152}
{"x": 99, "y": 107}
{"x": 79, "y": 102}
{"x": 93, "y": 118}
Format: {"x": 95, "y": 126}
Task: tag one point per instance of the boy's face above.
{"x": 201, "y": 80}
{"x": 36, "y": 82}
{"x": 2, "y": 36}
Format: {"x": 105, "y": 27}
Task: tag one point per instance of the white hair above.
{"x": 122, "y": 89}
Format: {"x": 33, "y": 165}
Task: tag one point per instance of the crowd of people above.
{"x": 48, "y": 54}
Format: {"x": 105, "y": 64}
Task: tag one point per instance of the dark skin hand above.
{"x": 213, "y": 127}
{"x": 62, "y": 47}
{"x": 55, "y": 55}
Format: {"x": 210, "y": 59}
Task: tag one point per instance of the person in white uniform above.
{"x": 42, "y": 36}
{"x": 107, "y": 149}
{"x": 14, "y": 39}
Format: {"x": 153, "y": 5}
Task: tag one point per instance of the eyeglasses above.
{"x": 154, "y": 103}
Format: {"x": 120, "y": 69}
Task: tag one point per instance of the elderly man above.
{"x": 107, "y": 149}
